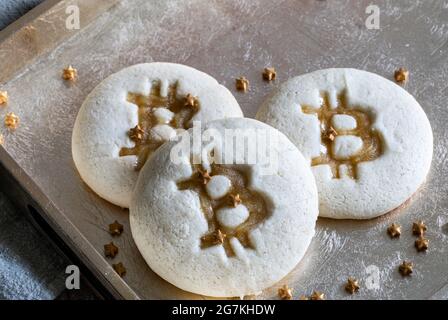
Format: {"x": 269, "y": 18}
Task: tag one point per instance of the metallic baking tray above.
{"x": 226, "y": 39}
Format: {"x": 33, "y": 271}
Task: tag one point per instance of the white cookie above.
{"x": 102, "y": 127}
{"x": 266, "y": 230}
{"x": 370, "y": 148}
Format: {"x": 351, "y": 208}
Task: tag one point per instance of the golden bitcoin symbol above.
{"x": 371, "y": 140}
{"x": 180, "y": 111}
{"x": 238, "y": 194}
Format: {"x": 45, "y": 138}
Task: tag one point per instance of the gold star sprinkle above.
{"x": 115, "y": 228}
{"x": 219, "y": 237}
{"x": 421, "y": 244}
{"x": 317, "y": 295}
{"x": 269, "y": 74}
{"x": 236, "y": 200}
{"x": 405, "y": 268}
{"x": 120, "y": 269}
{"x": 110, "y": 250}
{"x": 69, "y": 73}
{"x": 331, "y": 134}
{"x": 191, "y": 101}
{"x": 3, "y": 97}
{"x": 215, "y": 238}
{"x": 242, "y": 84}
{"x": 285, "y": 292}
{"x": 401, "y": 75}
{"x": 394, "y": 230}
{"x": 419, "y": 228}
{"x": 303, "y": 297}
{"x": 136, "y": 133}
{"x": 352, "y": 285}
{"x": 11, "y": 121}
{"x": 205, "y": 176}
